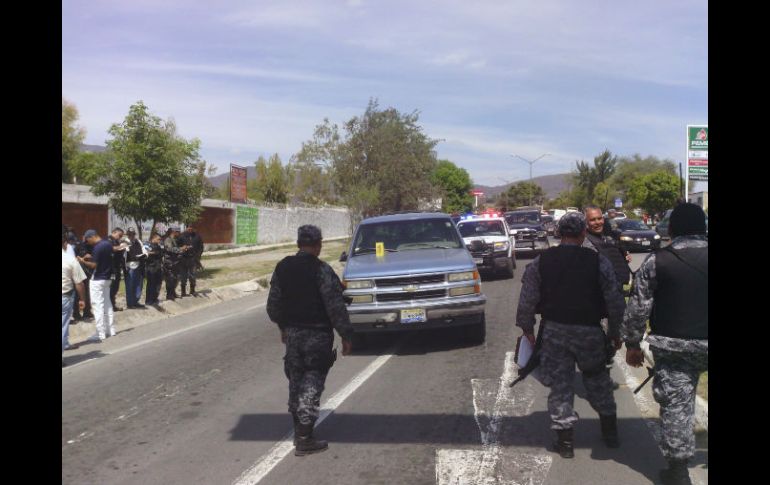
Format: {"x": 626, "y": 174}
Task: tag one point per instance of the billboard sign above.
{"x": 237, "y": 184}
{"x": 246, "y": 219}
{"x": 697, "y": 154}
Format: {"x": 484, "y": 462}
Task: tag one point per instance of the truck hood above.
{"x": 409, "y": 262}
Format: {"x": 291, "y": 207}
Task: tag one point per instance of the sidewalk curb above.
{"x": 701, "y": 405}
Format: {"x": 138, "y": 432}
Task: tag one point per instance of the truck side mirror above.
{"x": 343, "y": 256}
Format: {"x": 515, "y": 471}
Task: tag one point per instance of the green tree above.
{"x": 148, "y": 171}
{"x": 272, "y": 182}
{"x": 383, "y": 163}
{"x": 454, "y": 185}
{"x": 631, "y": 168}
{"x": 585, "y": 177}
{"x": 655, "y": 192}
{"x": 519, "y": 194}
{"x": 71, "y": 138}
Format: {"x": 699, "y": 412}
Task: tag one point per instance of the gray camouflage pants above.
{"x": 673, "y": 387}
{"x": 306, "y": 366}
{"x": 564, "y": 346}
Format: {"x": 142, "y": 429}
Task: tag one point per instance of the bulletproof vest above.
{"x": 681, "y": 308}
{"x": 154, "y": 260}
{"x": 569, "y": 286}
{"x": 614, "y": 254}
{"x": 301, "y": 302}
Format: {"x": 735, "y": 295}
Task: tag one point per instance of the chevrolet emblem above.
{"x": 411, "y": 288}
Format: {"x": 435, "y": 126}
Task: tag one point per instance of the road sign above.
{"x": 477, "y": 193}
{"x": 697, "y": 154}
{"x": 618, "y": 203}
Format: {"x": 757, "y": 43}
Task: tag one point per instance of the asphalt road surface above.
{"x": 201, "y": 399}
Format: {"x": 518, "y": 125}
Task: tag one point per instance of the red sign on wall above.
{"x": 237, "y": 184}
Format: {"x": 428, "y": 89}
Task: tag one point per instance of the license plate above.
{"x": 413, "y": 315}
{"x": 645, "y": 243}
{"x": 478, "y": 260}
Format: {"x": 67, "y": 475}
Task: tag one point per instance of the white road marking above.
{"x": 493, "y": 465}
{"x": 161, "y": 337}
{"x": 279, "y": 451}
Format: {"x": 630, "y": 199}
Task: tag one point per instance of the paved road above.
{"x": 200, "y": 398}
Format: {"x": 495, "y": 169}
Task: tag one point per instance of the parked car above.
{"x": 424, "y": 277}
{"x": 662, "y": 226}
{"x": 549, "y": 223}
{"x": 633, "y": 235}
{"x": 490, "y": 244}
{"x": 526, "y": 225}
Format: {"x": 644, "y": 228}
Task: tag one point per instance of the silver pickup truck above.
{"x": 412, "y": 271}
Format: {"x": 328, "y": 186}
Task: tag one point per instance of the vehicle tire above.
{"x": 509, "y": 268}
{"x": 513, "y": 258}
{"x": 359, "y": 341}
{"x": 477, "y": 333}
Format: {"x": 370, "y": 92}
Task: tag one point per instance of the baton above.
{"x": 651, "y": 374}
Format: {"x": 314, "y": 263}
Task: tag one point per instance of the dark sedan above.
{"x": 633, "y": 235}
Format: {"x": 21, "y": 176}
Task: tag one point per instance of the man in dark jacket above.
{"x": 154, "y": 270}
{"x": 306, "y": 302}
{"x": 671, "y": 290}
{"x": 135, "y": 259}
{"x": 172, "y": 255}
{"x": 190, "y": 258}
{"x": 598, "y": 238}
{"x": 572, "y": 288}
{"x": 118, "y": 263}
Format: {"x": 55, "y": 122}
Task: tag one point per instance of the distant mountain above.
{"x": 92, "y": 148}
{"x": 552, "y": 185}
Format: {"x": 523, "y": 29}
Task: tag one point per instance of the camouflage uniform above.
{"x": 678, "y": 362}
{"x": 564, "y": 345}
{"x": 309, "y": 350}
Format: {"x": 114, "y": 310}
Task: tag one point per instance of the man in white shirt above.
{"x": 72, "y": 277}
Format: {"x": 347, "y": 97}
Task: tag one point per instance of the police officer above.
{"x": 571, "y": 286}
{"x": 306, "y": 302}
{"x": 671, "y": 289}
{"x": 118, "y": 263}
{"x": 172, "y": 255}
{"x": 154, "y": 270}
{"x": 598, "y": 239}
{"x": 190, "y": 258}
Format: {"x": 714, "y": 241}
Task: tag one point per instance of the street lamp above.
{"x": 531, "y": 162}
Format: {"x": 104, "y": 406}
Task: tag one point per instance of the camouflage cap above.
{"x": 572, "y": 224}
{"x": 308, "y": 235}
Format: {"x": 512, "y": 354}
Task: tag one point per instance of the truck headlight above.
{"x": 626, "y": 238}
{"x": 358, "y": 284}
{"x": 501, "y": 246}
{"x": 657, "y": 236}
{"x": 467, "y": 275}
{"x": 362, "y": 299}
{"x": 541, "y": 233}
{"x": 463, "y": 290}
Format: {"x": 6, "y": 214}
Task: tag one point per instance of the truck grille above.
{"x": 410, "y": 280}
{"x": 414, "y": 295}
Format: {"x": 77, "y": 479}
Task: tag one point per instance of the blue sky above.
{"x": 489, "y": 78}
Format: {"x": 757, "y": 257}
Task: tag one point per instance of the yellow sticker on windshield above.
{"x": 380, "y": 249}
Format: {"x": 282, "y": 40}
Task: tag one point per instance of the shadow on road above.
{"x": 638, "y": 449}
{"x": 75, "y": 359}
{"x": 415, "y": 342}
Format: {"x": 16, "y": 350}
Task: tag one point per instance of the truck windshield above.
{"x": 522, "y": 218}
{"x": 481, "y": 228}
{"x": 406, "y": 235}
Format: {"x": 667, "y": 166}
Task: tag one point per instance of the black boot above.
{"x": 609, "y": 425}
{"x": 192, "y": 289}
{"x": 564, "y": 444}
{"x": 296, "y": 425}
{"x": 306, "y": 443}
{"x": 184, "y": 290}
{"x": 676, "y": 473}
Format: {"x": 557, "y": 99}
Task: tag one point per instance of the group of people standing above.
{"x": 103, "y": 263}
{"x": 577, "y": 287}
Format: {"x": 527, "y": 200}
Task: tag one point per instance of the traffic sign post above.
{"x": 697, "y": 156}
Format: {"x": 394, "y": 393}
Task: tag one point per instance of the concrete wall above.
{"x": 280, "y": 224}
{"x": 216, "y": 224}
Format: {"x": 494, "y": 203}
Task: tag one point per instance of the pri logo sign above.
{"x": 698, "y": 138}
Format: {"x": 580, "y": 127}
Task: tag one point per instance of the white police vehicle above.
{"x": 487, "y": 238}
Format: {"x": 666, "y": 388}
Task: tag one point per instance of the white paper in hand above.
{"x": 524, "y": 351}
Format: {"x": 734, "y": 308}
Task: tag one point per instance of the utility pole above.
{"x": 531, "y": 162}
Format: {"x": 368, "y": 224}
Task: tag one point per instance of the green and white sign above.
{"x": 246, "y": 219}
{"x": 698, "y": 138}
